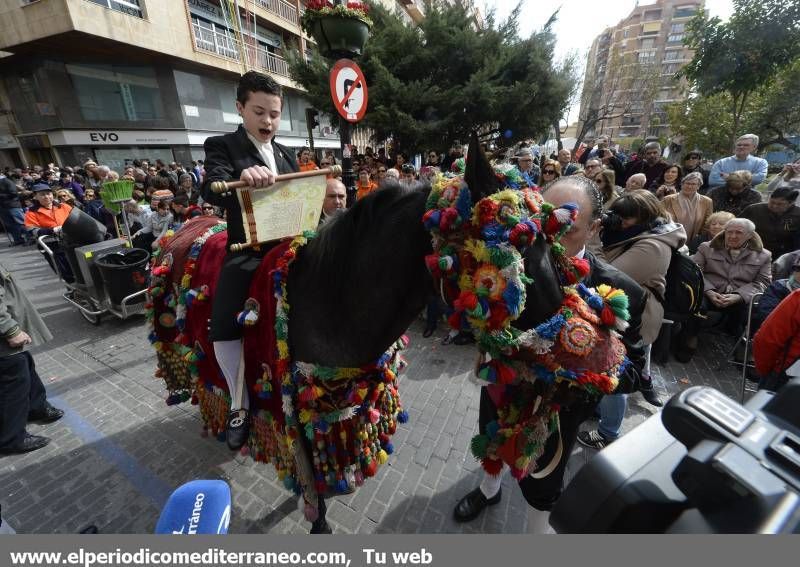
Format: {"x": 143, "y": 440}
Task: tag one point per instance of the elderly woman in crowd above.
{"x": 551, "y": 170}
{"x": 715, "y": 224}
{"x": 669, "y": 181}
{"x": 777, "y": 221}
{"x": 736, "y": 195}
{"x": 689, "y": 207}
{"x": 606, "y": 184}
{"x": 735, "y": 268}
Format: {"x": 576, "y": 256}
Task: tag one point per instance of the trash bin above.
{"x": 124, "y": 272}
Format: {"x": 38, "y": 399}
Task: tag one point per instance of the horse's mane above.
{"x": 364, "y": 228}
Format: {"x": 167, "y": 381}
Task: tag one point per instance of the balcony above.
{"x": 282, "y": 9}
{"x": 225, "y": 45}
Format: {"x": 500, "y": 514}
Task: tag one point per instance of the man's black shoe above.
{"x": 29, "y": 443}
{"x": 48, "y": 414}
{"x": 464, "y": 338}
{"x": 237, "y": 429}
{"x": 471, "y": 506}
{"x": 649, "y": 393}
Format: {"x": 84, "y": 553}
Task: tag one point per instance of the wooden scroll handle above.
{"x": 225, "y": 187}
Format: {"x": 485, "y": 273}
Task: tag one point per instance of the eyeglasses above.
{"x": 208, "y": 208}
{"x": 549, "y": 172}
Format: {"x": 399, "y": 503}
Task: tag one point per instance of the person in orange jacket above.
{"x": 776, "y": 346}
{"x": 46, "y": 216}
{"x": 306, "y": 163}
{"x": 365, "y": 185}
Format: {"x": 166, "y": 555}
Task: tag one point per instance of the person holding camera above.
{"x": 788, "y": 177}
{"x": 638, "y": 239}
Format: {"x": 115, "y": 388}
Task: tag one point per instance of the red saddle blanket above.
{"x": 323, "y": 429}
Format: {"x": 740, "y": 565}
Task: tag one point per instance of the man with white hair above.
{"x": 740, "y": 160}
{"x": 635, "y": 182}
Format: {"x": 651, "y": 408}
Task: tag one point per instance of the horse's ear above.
{"x": 479, "y": 173}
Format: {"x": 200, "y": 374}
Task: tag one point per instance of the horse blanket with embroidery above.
{"x": 324, "y": 430}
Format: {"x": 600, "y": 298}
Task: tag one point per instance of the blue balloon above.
{"x": 508, "y": 133}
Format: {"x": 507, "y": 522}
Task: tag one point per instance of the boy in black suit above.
{"x": 250, "y": 154}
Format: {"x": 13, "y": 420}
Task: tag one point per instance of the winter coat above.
{"x": 692, "y": 223}
{"x": 724, "y": 201}
{"x": 9, "y": 194}
{"x": 779, "y": 233}
{"x": 747, "y": 274}
{"x": 17, "y": 314}
{"x": 774, "y": 294}
{"x": 776, "y": 346}
{"x": 645, "y": 258}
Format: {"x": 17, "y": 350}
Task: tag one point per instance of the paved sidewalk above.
{"x": 120, "y": 450}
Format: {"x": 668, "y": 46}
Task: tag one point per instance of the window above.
{"x": 677, "y": 28}
{"x": 669, "y": 69}
{"x": 672, "y": 55}
{"x": 130, "y": 7}
{"x": 625, "y": 32}
{"x": 646, "y": 57}
{"x": 652, "y": 15}
{"x": 116, "y": 92}
{"x": 684, "y": 12}
{"x": 675, "y": 38}
{"x": 217, "y": 39}
{"x": 648, "y": 43}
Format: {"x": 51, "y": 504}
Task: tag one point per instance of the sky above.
{"x": 580, "y": 21}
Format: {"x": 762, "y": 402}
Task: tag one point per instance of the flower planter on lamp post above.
{"x": 340, "y": 29}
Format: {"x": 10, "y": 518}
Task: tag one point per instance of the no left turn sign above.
{"x": 349, "y": 90}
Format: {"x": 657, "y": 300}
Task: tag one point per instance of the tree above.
{"x": 704, "y": 123}
{"x": 622, "y": 87}
{"x": 739, "y": 56}
{"x": 433, "y": 84}
{"x": 772, "y": 112}
{"x": 775, "y": 112}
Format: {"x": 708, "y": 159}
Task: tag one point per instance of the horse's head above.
{"x": 544, "y": 295}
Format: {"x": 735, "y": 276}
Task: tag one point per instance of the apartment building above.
{"x": 631, "y": 67}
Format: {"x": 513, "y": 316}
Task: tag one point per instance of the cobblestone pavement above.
{"x": 120, "y": 450}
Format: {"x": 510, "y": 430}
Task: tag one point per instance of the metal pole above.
{"x": 348, "y": 178}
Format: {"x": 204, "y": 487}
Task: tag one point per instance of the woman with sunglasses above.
{"x": 606, "y": 184}
{"x": 551, "y": 170}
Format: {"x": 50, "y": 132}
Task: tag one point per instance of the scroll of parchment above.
{"x": 282, "y": 210}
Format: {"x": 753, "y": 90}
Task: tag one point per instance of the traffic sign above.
{"x": 348, "y": 90}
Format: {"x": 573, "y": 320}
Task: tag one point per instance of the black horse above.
{"x": 359, "y": 285}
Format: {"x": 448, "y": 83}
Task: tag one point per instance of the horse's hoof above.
{"x": 323, "y": 528}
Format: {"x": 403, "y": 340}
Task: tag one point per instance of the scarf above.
{"x": 612, "y": 237}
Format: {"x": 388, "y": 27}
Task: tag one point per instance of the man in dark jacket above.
{"x": 652, "y": 165}
{"x": 11, "y": 212}
{"x": 22, "y": 394}
{"x": 251, "y": 155}
{"x": 542, "y": 493}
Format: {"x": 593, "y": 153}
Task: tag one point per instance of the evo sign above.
{"x": 118, "y": 137}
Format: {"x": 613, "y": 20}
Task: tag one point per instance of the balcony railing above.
{"x": 226, "y": 46}
{"x": 281, "y": 9}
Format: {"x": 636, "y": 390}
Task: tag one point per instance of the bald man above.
{"x": 635, "y": 181}
{"x": 335, "y": 199}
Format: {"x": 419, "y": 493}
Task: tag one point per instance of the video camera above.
{"x": 706, "y": 464}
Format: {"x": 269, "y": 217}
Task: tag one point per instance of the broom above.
{"x": 116, "y": 191}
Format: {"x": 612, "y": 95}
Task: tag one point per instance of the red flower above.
{"x": 487, "y": 210}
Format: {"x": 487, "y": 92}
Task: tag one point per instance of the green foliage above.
{"x": 431, "y": 85}
{"x": 772, "y": 111}
{"x": 738, "y": 57}
{"x": 704, "y": 123}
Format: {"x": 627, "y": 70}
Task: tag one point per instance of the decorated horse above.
{"x": 324, "y": 324}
